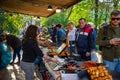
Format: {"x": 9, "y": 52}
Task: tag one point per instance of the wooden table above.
{"x": 55, "y": 74}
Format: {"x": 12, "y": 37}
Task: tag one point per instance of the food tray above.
{"x": 83, "y": 75}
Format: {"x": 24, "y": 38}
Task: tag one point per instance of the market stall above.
{"x": 70, "y": 68}
{"x": 73, "y": 68}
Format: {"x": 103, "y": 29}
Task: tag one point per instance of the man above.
{"x": 111, "y": 42}
{"x": 84, "y": 40}
{"x": 61, "y": 34}
{"x": 53, "y": 32}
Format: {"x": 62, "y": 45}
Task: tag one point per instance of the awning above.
{"x": 35, "y": 7}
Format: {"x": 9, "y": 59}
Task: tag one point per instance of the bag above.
{"x": 94, "y": 57}
{"x": 5, "y": 56}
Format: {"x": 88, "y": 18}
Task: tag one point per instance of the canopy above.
{"x": 35, "y": 7}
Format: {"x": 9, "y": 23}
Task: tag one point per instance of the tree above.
{"x": 11, "y": 22}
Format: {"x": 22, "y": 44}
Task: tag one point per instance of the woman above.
{"x": 30, "y": 51}
{"x": 71, "y": 36}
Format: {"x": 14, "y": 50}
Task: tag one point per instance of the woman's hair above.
{"x": 31, "y": 32}
{"x": 70, "y": 23}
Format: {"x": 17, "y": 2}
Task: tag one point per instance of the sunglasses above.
{"x": 115, "y": 19}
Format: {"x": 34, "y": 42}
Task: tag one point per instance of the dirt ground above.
{"x": 13, "y": 72}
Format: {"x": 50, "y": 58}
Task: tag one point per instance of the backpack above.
{"x": 5, "y": 55}
{"x": 105, "y": 32}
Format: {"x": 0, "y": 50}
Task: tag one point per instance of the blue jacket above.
{"x": 61, "y": 35}
{"x": 85, "y": 39}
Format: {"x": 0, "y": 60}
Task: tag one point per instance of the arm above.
{"x": 91, "y": 41}
{"x": 39, "y": 52}
{"x": 36, "y": 48}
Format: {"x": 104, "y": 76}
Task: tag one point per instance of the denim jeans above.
{"x": 28, "y": 69}
{"x": 115, "y": 65}
{"x": 72, "y": 49}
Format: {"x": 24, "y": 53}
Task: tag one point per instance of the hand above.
{"x": 45, "y": 56}
{"x": 115, "y": 41}
{"x": 54, "y": 60}
{"x": 87, "y": 54}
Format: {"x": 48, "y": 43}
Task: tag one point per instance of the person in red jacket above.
{"x": 85, "y": 42}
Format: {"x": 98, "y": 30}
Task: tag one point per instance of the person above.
{"x": 14, "y": 42}
{"x": 31, "y": 50}
{"x": 84, "y": 40}
{"x": 71, "y": 36}
{"x": 61, "y": 34}
{"x": 53, "y": 33}
{"x": 5, "y": 58}
{"x": 111, "y": 42}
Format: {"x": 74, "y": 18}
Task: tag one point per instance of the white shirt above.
{"x": 71, "y": 35}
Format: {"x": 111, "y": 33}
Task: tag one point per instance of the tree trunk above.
{"x": 96, "y": 13}
{"x": 70, "y": 12}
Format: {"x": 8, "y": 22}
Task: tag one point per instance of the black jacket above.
{"x": 30, "y": 50}
{"x": 13, "y": 41}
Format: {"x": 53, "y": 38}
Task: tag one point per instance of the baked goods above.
{"x": 99, "y": 73}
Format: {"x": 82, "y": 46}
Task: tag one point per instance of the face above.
{"x": 115, "y": 20}
{"x": 57, "y": 28}
{"x": 53, "y": 25}
{"x": 69, "y": 27}
{"x": 82, "y": 22}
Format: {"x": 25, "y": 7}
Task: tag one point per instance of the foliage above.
{"x": 82, "y": 10}
{"x": 56, "y": 18}
{"x": 85, "y": 9}
{"x": 11, "y": 22}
